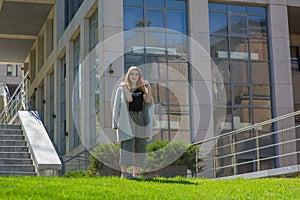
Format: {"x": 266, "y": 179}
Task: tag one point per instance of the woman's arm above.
{"x": 116, "y": 109}
{"x": 127, "y": 93}
{"x": 148, "y": 94}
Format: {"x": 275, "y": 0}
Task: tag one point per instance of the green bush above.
{"x": 158, "y": 153}
{"x": 78, "y": 174}
{"x": 102, "y": 154}
{"x": 161, "y": 152}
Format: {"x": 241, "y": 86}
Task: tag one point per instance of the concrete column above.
{"x": 201, "y": 79}
{"x": 282, "y": 79}
{"x": 112, "y": 50}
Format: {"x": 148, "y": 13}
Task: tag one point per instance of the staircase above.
{"x": 15, "y": 158}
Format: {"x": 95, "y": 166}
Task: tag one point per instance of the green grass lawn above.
{"x": 159, "y": 188}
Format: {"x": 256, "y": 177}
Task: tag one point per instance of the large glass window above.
{"x": 239, "y": 48}
{"x": 71, "y": 7}
{"x": 93, "y": 30}
{"x": 76, "y": 90}
{"x": 63, "y": 91}
{"x": 159, "y": 54}
{"x": 51, "y": 98}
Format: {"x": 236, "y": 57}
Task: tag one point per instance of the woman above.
{"x": 133, "y": 113}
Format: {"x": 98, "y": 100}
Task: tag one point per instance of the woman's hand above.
{"x": 147, "y": 95}
{"x": 126, "y": 92}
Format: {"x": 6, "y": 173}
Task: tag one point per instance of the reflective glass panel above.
{"x": 177, "y": 68}
{"x": 255, "y": 10}
{"x": 133, "y": 3}
{"x": 131, "y": 60}
{"x": 134, "y": 18}
{"x": 155, "y": 43}
{"x": 257, "y": 26}
{"x": 176, "y": 20}
{"x": 155, "y": 68}
{"x": 241, "y": 95}
{"x": 178, "y": 93}
{"x": 218, "y": 24}
{"x": 134, "y": 41}
{"x": 261, "y": 96}
{"x": 260, "y": 73}
{"x": 223, "y": 70}
{"x": 239, "y": 48}
{"x": 237, "y": 9}
{"x": 177, "y": 44}
{"x": 260, "y": 115}
{"x": 216, "y": 7}
{"x": 221, "y": 93}
{"x": 219, "y": 47}
{"x": 259, "y": 49}
{"x": 155, "y": 18}
{"x": 175, "y": 4}
{"x": 239, "y": 72}
{"x": 238, "y": 25}
{"x": 154, "y": 3}
{"x": 241, "y": 117}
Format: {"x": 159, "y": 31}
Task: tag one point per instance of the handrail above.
{"x": 229, "y": 153}
{"x": 17, "y": 101}
{"x": 249, "y": 127}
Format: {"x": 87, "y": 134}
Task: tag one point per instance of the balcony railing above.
{"x": 17, "y": 101}
{"x": 253, "y": 148}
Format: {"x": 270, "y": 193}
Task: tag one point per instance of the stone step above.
{"x": 15, "y": 161}
{"x": 13, "y": 149}
{"x": 10, "y": 126}
{"x": 12, "y": 173}
{"x": 17, "y": 168}
{"x": 18, "y": 143}
{"x": 15, "y": 155}
{"x": 11, "y": 132}
{"x": 12, "y": 137}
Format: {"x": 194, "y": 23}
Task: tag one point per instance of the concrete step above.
{"x": 11, "y": 173}
{"x": 19, "y": 168}
{"x": 12, "y": 137}
{"x": 13, "y": 149}
{"x": 15, "y": 155}
{"x": 15, "y": 161}
{"x": 18, "y": 143}
{"x": 10, "y": 126}
{"x": 11, "y": 132}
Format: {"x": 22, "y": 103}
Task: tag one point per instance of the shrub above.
{"x": 161, "y": 152}
{"x": 103, "y": 154}
{"x": 78, "y": 174}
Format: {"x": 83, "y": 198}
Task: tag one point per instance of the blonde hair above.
{"x": 141, "y": 80}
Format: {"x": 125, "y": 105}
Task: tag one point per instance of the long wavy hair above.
{"x": 141, "y": 81}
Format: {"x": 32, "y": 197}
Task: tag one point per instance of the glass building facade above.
{"x": 239, "y": 48}
{"x": 155, "y": 41}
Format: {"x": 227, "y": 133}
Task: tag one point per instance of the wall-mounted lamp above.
{"x": 44, "y": 101}
{"x": 28, "y": 78}
{"x": 66, "y": 134}
{"x": 35, "y": 89}
{"x": 110, "y": 69}
{"x": 54, "y": 115}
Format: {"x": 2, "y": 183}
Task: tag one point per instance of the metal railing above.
{"x": 253, "y": 148}
{"x": 17, "y": 101}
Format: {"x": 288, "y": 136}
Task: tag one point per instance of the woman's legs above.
{"x": 136, "y": 171}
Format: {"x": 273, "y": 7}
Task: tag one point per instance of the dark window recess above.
{"x": 71, "y": 7}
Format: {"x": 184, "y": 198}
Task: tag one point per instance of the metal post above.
{"x": 196, "y": 164}
{"x": 284, "y": 144}
{"x": 233, "y": 154}
{"x": 257, "y": 150}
